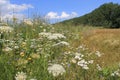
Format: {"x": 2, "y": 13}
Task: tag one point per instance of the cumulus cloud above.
{"x": 52, "y": 15}
{"x": 7, "y": 8}
{"x": 63, "y": 15}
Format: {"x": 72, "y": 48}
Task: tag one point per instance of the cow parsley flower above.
{"x": 7, "y": 49}
{"x": 20, "y": 76}
{"x": 6, "y": 29}
{"x": 56, "y": 36}
{"x": 28, "y": 21}
{"x": 98, "y": 54}
{"x": 99, "y": 67}
{"x": 116, "y": 73}
{"x": 91, "y": 61}
{"x": 73, "y": 60}
{"x": 56, "y": 69}
{"x": 83, "y": 64}
{"x": 44, "y": 34}
{"x": 78, "y": 56}
{"x": 52, "y": 36}
{"x": 85, "y": 67}
{"x": 62, "y": 43}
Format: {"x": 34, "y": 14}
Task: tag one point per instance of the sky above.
{"x": 54, "y": 10}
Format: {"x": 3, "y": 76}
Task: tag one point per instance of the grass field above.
{"x": 107, "y": 41}
{"x": 59, "y": 52}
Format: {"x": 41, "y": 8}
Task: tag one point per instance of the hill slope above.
{"x": 107, "y": 15}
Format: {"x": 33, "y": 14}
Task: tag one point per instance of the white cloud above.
{"x": 64, "y": 15}
{"x": 7, "y": 8}
{"x": 52, "y": 15}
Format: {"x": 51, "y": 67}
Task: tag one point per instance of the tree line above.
{"x": 107, "y": 15}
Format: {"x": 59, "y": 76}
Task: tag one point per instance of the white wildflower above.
{"x": 56, "y": 36}
{"x": 79, "y": 54}
{"x": 16, "y": 47}
{"x": 98, "y": 67}
{"x": 6, "y": 29}
{"x": 82, "y": 61}
{"x": 83, "y": 64}
{"x": 62, "y": 43}
{"x": 85, "y": 67}
{"x": 44, "y": 30}
{"x": 80, "y": 64}
{"x": 51, "y": 36}
{"x": 41, "y": 26}
{"x": 78, "y": 57}
{"x": 7, "y": 49}
{"x": 67, "y": 52}
{"x": 56, "y": 69}
{"x": 44, "y": 34}
{"x": 91, "y": 61}
{"x": 98, "y": 54}
{"x": 117, "y": 73}
{"x": 20, "y": 76}
{"x": 28, "y": 21}
{"x": 113, "y": 74}
{"x": 81, "y": 46}
{"x": 73, "y": 61}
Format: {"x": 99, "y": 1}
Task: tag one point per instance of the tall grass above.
{"x": 29, "y": 50}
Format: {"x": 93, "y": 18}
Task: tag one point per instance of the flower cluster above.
{"x": 116, "y": 73}
{"x": 62, "y": 43}
{"x": 56, "y": 36}
{"x": 99, "y": 67}
{"x": 97, "y": 53}
{"x": 6, "y": 29}
{"x": 44, "y": 34}
{"x": 21, "y": 76}
{"x": 52, "y": 36}
{"x": 28, "y": 21}
{"x": 56, "y": 69}
{"x": 7, "y": 49}
{"x": 79, "y": 59}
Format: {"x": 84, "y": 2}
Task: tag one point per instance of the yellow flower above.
{"x": 29, "y": 59}
{"x": 23, "y": 44}
{"x": 22, "y": 54}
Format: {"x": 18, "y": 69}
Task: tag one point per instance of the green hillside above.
{"x": 107, "y": 15}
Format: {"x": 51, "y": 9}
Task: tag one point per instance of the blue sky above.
{"x": 58, "y": 9}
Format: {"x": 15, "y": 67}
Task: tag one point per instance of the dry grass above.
{"x": 105, "y": 40}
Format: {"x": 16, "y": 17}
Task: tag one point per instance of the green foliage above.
{"x": 38, "y": 69}
{"x": 6, "y": 69}
{"x": 107, "y": 15}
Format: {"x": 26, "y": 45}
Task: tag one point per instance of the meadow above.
{"x": 59, "y": 52}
